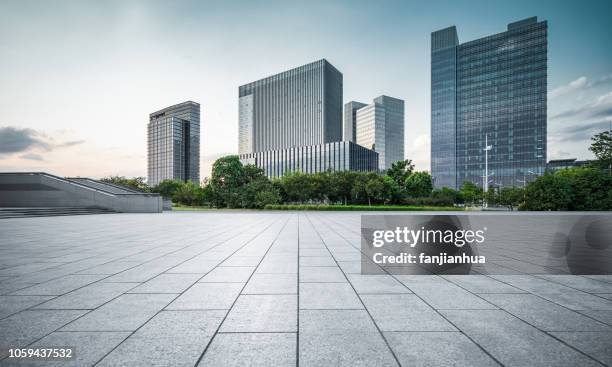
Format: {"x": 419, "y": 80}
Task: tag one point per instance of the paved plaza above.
{"x": 225, "y": 288}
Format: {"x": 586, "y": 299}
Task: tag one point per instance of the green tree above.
{"x": 228, "y": 176}
{"x": 187, "y": 193}
{"x": 419, "y": 184}
{"x": 548, "y": 192}
{"x": 380, "y": 189}
{"x": 167, "y": 188}
{"x": 400, "y": 171}
{"x": 341, "y": 186}
{"x": 137, "y": 183}
{"x": 591, "y": 188}
{"x": 447, "y": 193}
{"x": 470, "y": 192}
{"x": 511, "y": 197}
{"x": 601, "y": 146}
{"x": 297, "y": 187}
{"x": 257, "y": 190}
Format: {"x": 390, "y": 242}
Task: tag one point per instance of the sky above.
{"x": 78, "y": 79}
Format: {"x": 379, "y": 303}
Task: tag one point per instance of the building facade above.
{"x": 299, "y": 107}
{"x": 380, "y": 127}
{"x": 491, "y": 89}
{"x": 173, "y": 135}
{"x": 333, "y": 156}
{"x": 350, "y": 120}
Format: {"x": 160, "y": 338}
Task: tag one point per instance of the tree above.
{"x": 228, "y": 175}
{"x": 297, "y": 187}
{"x": 419, "y": 184}
{"x": 511, "y": 197}
{"x": 470, "y": 192}
{"x": 167, "y": 188}
{"x": 257, "y": 190}
{"x": 341, "y": 186}
{"x": 602, "y": 148}
{"x": 137, "y": 183}
{"x": 447, "y": 193}
{"x": 187, "y": 193}
{"x": 591, "y": 188}
{"x": 548, "y": 192}
{"x": 380, "y": 189}
{"x": 400, "y": 171}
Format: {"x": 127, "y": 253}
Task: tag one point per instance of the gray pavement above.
{"x": 273, "y": 289}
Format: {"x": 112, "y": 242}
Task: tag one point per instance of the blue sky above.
{"x": 78, "y": 78}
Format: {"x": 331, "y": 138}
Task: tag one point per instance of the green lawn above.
{"x": 331, "y": 208}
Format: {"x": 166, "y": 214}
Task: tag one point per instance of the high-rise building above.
{"x": 491, "y": 90}
{"x": 380, "y": 127}
{"x": 174, "y": 144}
{"x": 350, "y": 120}
{"x": 299, "y": 107}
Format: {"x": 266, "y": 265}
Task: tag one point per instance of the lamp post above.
{"x": 485, "y": 178}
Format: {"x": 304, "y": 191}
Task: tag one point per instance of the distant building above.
{"x": 491, "y": 88}
{"x": 298, "y": 107}
{"x": 380, "y": 127}
{"x": 173, "y": 135}
{"x": 334, "y": 156}
{"x": 350, "y": 120}
{"x": 557, "y": 164}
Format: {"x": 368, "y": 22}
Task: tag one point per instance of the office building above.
{"x": 299, "y": 107}
{"x": 350, "y": 120}
{"x": 490, "y": 89}
{"x": 558, "y": 164}
{"x": 174, "y": 144}
{"x": 380, "y": 127}
{"x": 333, "y": 156}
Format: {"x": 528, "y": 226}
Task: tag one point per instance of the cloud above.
{"x": 32, "y": 157}
{"x": 15, "y": 140}
{"x": 580, "y": 132}
{"x": 572, "y": 86}
{"x": 601, "y": 108}
{"x": 580, "y": 84}
{"x": 70, "y": 143}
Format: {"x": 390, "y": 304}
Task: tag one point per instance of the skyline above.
{"x": 68, "y": 63}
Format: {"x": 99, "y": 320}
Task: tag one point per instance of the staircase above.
{"x": 6, "y": 213}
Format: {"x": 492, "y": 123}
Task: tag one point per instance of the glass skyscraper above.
{"x": 379, "y": 126}
{"x": 299, "y": 107}
{"x": 173, "y": 135}
{"x": 350, "y": 120}
{"x": 494, "y": 89}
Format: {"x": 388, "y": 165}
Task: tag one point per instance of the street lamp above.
{"x": 485, "y": 178}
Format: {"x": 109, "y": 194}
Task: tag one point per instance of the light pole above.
{"x": 485, "y": 178}
{"x": 524, "y": 180}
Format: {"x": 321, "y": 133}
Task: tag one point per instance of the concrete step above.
{"x": 6, "y": 213}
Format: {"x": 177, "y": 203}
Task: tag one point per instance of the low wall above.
{"x": 45, "y": 190}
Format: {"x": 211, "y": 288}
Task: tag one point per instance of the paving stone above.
{"x": 321, "y": 274}
{"x": 88, "y": 297}
{"x": 271, "y": 284}
{"x": 251, "y": 349}
{"x": 317, "y": 261}
{"x": 365, "y": 284}
{"x": 514, "y": 342}
{"x": 262, "y": 313}
{"x": 12, "y": 304}
{"x": 481, "y": 284}
{"x": 277, "y": 267}
{"x": 229, "y": 274}
{"x": 404, "y": 312}
{"x": 437, "y": 349}
{"x": 90, "y": 347}
{"x": 604, "y": 316}
{"x": 111, "y": 267}
{"x": 207, "y": 296}
{"x": 328, "y": 296}
{"x": 341, "y": 338}
{"x": 443, "y": 295}
{"x": 581, "y": 283}
{"x": 560, "y": 294}
{"x": 25, "y": 327}
{"x": 242, "y": 261}
{"x": 313, "y": 252}
{"x": 167, "y": 283}
{"x": 171, "y": 338}
{"x": 125, "y": 313}
{"x": 544, "y": 314}
{"x": 595, "y": 344}
{"x": 60, "y": 286}
{"x": 604, "y": 295}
